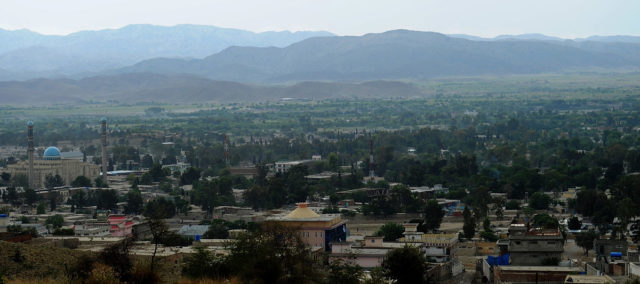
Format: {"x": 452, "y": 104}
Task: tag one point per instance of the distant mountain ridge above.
{"x": 273, "y": 57}
{"x": 27, "y": 54}
{"x": 144, "y": 87}
{"x": 399, "y": 54}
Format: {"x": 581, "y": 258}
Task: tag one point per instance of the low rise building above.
{"x": 436, "y": 247}
{"x": 533, "y": 274}
{"x": 534, "y": 246}
{"x": 194, "y": 232}
{"x": 121, "y": 226}
{"x": 589, "y": 279}
{"x": 92, "y": 229}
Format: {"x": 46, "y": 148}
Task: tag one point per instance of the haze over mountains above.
{"x": 27, "y": 54}
{"x": 398, "y": 54}
{"x": 152, "y": 63}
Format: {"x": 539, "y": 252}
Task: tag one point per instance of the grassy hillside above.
{"x": 35, "y": 262}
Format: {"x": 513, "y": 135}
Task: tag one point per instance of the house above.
{"x": 589, "y": 279}
{"x": 367, "y": 253}
{"x": 121, "y": 226}
{"x": 436, "y": 247}
{"x": 534, "y": 246}
{"x": 533, "y": 274}
{"x": 193, "y": 231}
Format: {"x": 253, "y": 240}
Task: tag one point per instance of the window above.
{"x": 373, "y": 240}
{"x": 533, "y": 242}
{"x": 517, "y": 242}
{"x": 316, "y": 234}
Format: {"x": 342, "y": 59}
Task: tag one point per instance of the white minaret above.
{"x": 30, "y": 150}
{"x": 105, "y": 162}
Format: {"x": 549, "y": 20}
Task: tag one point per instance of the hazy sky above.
{"x": 564, "y": 18}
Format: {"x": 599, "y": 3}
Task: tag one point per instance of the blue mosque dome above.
{"x": 52, "y": 153}
{"x": 30, "y": 123}
{"x": 103, "y": 119}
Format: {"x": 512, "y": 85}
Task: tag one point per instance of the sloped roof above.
{"x": 302, "y": 212}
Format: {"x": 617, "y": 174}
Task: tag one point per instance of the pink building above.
{"x": 121, "y": 226}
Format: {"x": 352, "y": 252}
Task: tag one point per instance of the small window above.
{"x": 373, "y": 240}
{"x": 517, "y": 242}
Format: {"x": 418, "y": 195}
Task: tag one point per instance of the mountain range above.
{"x": 25, "y": 54}
{"x": 398, "y": 54}
{"x": 232, "y": 54}
{"x": 202, "y": 63}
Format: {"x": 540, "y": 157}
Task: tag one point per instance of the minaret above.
{"x": 227, "y": 159}
{"x": 30, "y": 152}
{"x": 105, "y": 162}
{"x": 372, "y": 173}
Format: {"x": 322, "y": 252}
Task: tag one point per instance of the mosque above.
{"x": 54, "y": 162}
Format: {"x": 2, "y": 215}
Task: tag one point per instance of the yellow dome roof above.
{"x": 302, "y": 212}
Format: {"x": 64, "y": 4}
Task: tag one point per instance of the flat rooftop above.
{"x": 540, "y": 269}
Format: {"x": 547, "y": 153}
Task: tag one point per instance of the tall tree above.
{"x": 405, "y": 265}
{"x": 134, "y": 202}
{"x": 347, "y": 272}
{"x": 574, "y": 223}
{"x": 81, "y": 181}
{"x": 469, "y": 226}
{"x": 390, "y": 231}
{"x": 30, "y": 196}
{"x": 585, "y": 240}
{"x": 51, "y": 181}
{"x": 433, "y": 215}
{"x": 276, "y": 254}
{"x": 539, "y": 201}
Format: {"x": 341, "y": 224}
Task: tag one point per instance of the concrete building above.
{"x": 533, "y": 274}
{"x": 611, "y": 256}
{"x": 589, "y": 279}
{"x": 284, "y": 166}
{"x": 436, "y": 247}
{"x": 534, "y": 246}
{"x": 367, "y": 253}
{"x": 92, "y": 229}
{"x": 52, "y": 163}
{"x": 121, "y": 226}
{"x": 316, "y": 230}
{"x": 193, "y": 231}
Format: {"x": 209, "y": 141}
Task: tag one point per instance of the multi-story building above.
{"x": 316, "y": 230}
{"x": 534, "y": 246}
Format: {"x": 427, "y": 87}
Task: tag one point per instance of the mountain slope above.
{"x": 396, "y": 54}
